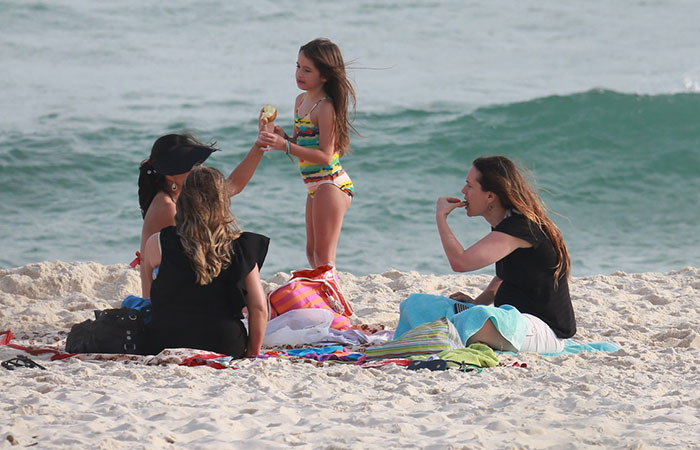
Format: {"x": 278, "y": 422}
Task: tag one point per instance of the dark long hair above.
{"x": 501, "y": 176}
{"x": 328, "y": 59}
{"x": 152, "y": 182}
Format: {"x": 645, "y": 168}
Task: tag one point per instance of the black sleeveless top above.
{"x": 186, "y": 314}
{"x": 528, "y": 278}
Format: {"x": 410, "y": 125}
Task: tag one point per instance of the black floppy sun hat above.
{"x": 180, "y": 158}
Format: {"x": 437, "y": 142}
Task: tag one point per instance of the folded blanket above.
{"x": 418, "y": 309}
{"x": 428, "y": 338}
{"x": 421, "y": 308}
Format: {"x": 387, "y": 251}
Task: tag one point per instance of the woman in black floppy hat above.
{"x": 161, "y": 177}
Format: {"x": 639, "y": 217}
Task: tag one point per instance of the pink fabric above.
{"x": 316, "y": 288}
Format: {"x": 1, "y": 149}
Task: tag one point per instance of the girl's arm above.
{"x": 324, "y": 118}
{"x": 491, "y": 248}
{"x": 257, "y": 312}
{"x": 150, "y": 259}
{"x": 280, "y": 131}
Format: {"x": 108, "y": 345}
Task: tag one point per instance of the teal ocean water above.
{"x": 600, "y": 102}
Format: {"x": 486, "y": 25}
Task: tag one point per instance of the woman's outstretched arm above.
{"x": 244, "y": 171}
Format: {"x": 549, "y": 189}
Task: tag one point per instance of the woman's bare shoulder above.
{"x": 160, "y": 214}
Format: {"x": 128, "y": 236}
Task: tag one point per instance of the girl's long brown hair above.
{"x": 328, "y": 59}
{"x": 501, "y": 176}
{"x": 205, "y": 224}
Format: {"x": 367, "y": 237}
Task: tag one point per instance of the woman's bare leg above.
{"x": 489, "y": 335}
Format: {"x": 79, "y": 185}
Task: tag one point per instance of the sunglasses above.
{"x": 20, "y": 361}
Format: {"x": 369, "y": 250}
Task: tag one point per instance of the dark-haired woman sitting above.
{"x": 532, "y": 262}
{"x": 532, "y": 308}
{"x": 162, "y": 174}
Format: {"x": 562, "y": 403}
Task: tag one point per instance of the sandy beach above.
{"x": 642, "y": 396}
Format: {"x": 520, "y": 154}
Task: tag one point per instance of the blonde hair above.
{"x": 205, "y": 224}
{"x": 500, "y": 175}
{"x": 328, "y": 59}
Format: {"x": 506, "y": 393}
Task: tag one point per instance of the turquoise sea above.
{"x": 599, "y": 100}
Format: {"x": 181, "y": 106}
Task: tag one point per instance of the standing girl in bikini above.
{"x": 321, "y": 137}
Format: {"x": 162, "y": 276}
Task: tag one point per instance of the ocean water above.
{"x": 600, "y": 101}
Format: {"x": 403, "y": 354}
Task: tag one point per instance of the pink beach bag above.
{"x": 312, "y": 288}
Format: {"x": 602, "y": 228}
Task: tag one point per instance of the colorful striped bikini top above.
{"x": 306, "y": 132}
{"x": 307, "y": 135}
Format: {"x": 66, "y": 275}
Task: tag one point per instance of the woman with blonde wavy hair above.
{"x": 208, "y": 270}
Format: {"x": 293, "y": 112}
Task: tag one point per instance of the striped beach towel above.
{"x": 428, "y": 338}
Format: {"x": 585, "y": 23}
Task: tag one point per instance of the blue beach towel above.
{"x": 571, "y": 347}
{"x": 421, "y": 308}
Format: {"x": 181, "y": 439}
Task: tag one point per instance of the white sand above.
{"x": 643, "y": 396}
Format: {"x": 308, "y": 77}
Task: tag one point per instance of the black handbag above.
{"x": 113, "y": 331}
